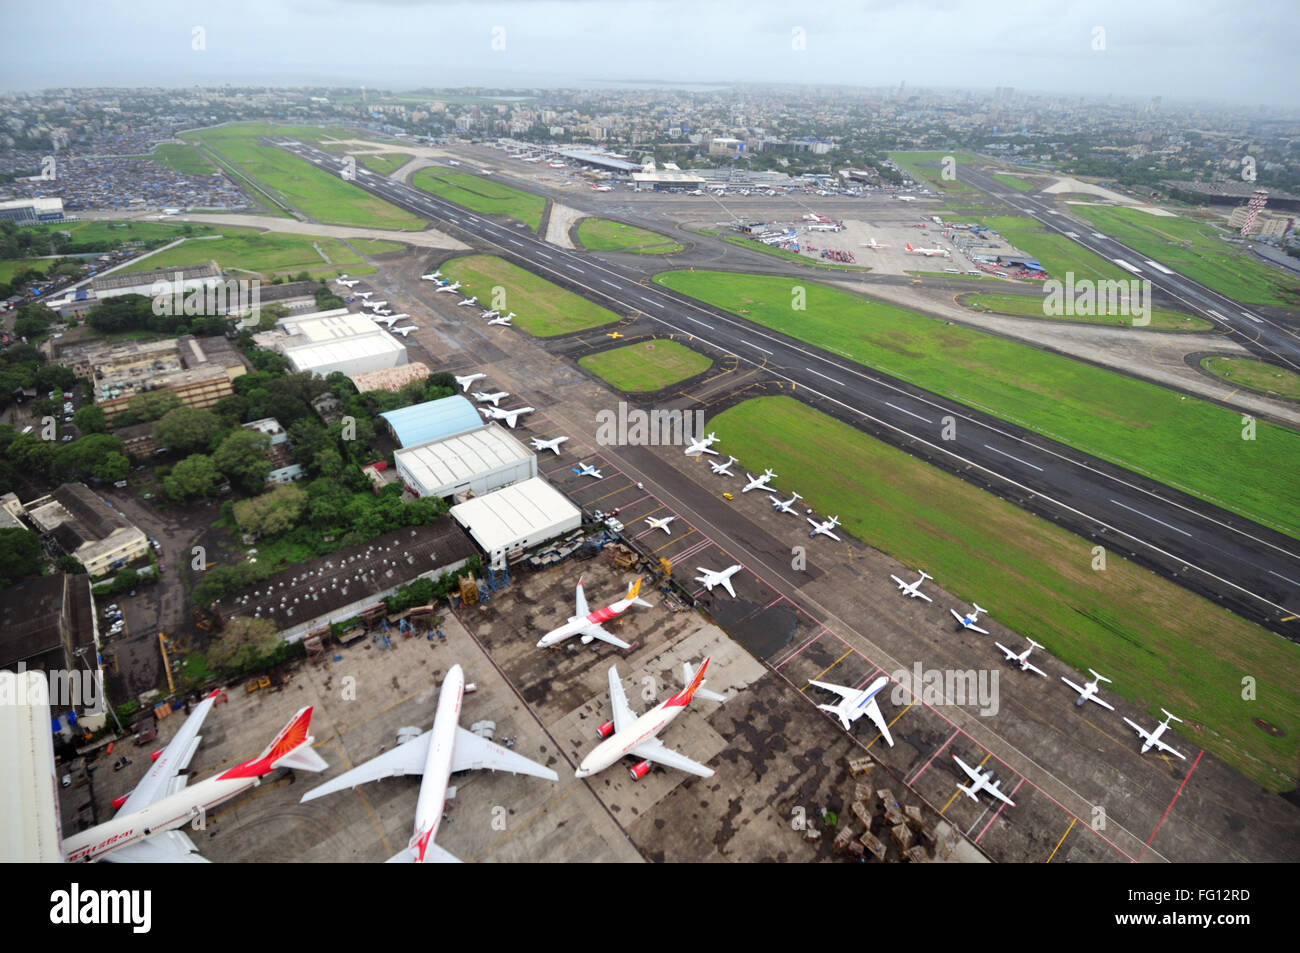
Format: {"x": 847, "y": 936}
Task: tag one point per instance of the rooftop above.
{"x": 432, "y": 420}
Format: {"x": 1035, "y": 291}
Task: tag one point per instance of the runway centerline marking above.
{"x": 1152, "y": 518}
{"x": 1017, "y": 459}
{"x": 903, "y": 410}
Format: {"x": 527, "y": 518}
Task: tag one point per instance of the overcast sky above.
{"x": 1240, "y": 52}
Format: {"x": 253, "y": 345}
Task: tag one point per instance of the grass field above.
{"x": 1196, "y": 250}
{"x": 647, "y": 365}
{"x": 1162, "y": 645}
{"x": 183, "y": 159}
{"x": 1031, "y": 306}
{"x": 482, "y": 195}
{"x": 386, "y": 163}
{"x": 544, "y": 310}
{"x": 323, "y": 197}
{"x": 1187, "y": 443}
{"x": 12, "y": 266}
{"x": 597, "y": 234}
{"x": 1255, "y": 375}
{"x": 266, "y": 253}
{"x": 1056, "y": 253}
{"x": 927, "y": 167}
{"x": 109, "y": 235}
{"x": 375, "y": 246}
{"x": 1015, "y": 182}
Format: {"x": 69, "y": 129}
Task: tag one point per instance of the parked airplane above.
{"x": 702, "y": 445}
{"x": 785, "y": 506}
{"x": 454, "y": 286}
{"x": 587, "y": 624}
{"x": 758, "y": 482}
{"x": 1023, "y": 658}
{"x": 467, "y": 301}
{"x": 468, "y": 379}
{"x": 824, "y": 529}
{"x": 373, "y": 304}
{"x": 719, "y": 578}
{"x": 494, "y": 399}
{"x": 1153, "y": 737}
{"x": 556, "y": 165}
{"x": 601, "y": 188}
{"x": 905, "y": 198}
{"x": 724, "y": 469}
{"x": 583, "y": 469}
{"x": 695, "y": 192}
{"x": 855, "y": 703}
{"x": 490, "y": 314}
{"x": 554, "y": 444}
{"x": 405, "y": 331}
{"x": 363, "y": 294}
{"x": 981, "y": 781}
{"x": 387, "y": 320}
{"x": 911, "y": 588}
{"x": 928, "y": 252}
{"x": 348, "y": 284}
{"x": 144, "y": 830}
{"x": 436, "y": 754}
{"x": 432, "y": 276}
{"x": 660, "y": 523}
{"x": 509, "y": 416}
{"x": 968, "y": 621}
{"x": 1089, "y": 691}
{"x": 626, "y": 734}
{"x": 503, "y": 322}
{"x": 873, "y": 244}
{"x": 382, "y": 312}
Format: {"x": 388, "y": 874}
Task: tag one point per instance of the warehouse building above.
{"x": 339, "y": 340}
{"x": 508, "y": 522}
{"x": 87, "y": 528}
{"x": 390, "y": 378}
{"x": 176, "y": 280}
{"x": 32, "y": 211}
{"x": 432, "y": 420}
{"x": 476, "y": 462}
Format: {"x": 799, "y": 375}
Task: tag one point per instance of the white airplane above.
{"x": 857, "y": 702}
{"x": 626, "y": 734}
{"x": 824, "y": 529}
{"x": 702, "y": 445}
{"x": 785, "y": 506}
{"x": 454, "y": 286}
{"x": 432, "y": 276}
{"x": 406, "y": 330}
{"x": 467, "y": 301}
{"x": 928, "y": 252}
{"x": 587, "y": 624}
{"x": 509, "y": 416}
{"x": 382, "y": 312}
{"x": 1023, "y": 658}
{"x": 494, "y": 399}
{"x": 363, "y": 294}
{"x": 348, "y": 284}
{"x": 144, "y": 830}
{"x": 436, "y": 754}
{"x": 968, "y": 621}
{"x": 981, "y": 781}
{"x": 554, "y": 444}
{"x": 758, "y": 482}
{"x": 386, "y": 320}
{"x": 723, "y": 469}
{"x": 873, "y": 244}
{"x": 399, "y": 315}
{"x": 373, "y": 304}
{"x": 911, "y": 588}
{"x": 489, "y": 314}
{"x": 533, "y": 159}
{"x": 510, "y": 315}
{"x": 503, "y": 322}
{"x": 660, "y": 523}
{"x": 583, "y": 469}
{"x": 556, "y": 165}
{"x": 468, "y": 379}
{"x": 1089, "y": 691}
{"x": 905, "y": 198}
{"x": 1153, "y": 737}
{"x": 695, "y": 192}
{"x": 722, "y": 578}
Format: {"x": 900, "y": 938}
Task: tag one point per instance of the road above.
{"x": 1248, "y": 568}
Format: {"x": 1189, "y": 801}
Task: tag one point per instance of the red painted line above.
{"x": 998, "y": 813}
{"x": 1171, "y": 805}
{"x": 772, "y": 603}
{"x": 800, "y": 649}
{"x": 914, "y": 778}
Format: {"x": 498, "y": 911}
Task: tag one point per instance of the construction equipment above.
{"x": 167, "y": 667}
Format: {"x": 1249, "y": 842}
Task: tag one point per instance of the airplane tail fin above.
{"x": 1099, "y": 677}
{"x": 688, "y": 677}
{"x": 909, "y": 246}
{"x": 968, "y": 792}
{"x": 978, "y": 607}
{"x": 632, "y": 591}
{"x": 686, "y": 694}
{"x": 291, "y": 748}
{"x": 1033, "y": 643}
{"x": 1169, "y": 714}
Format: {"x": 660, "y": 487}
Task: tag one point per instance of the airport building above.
{"x": 432, "y": 420}
{"x": 32, "y": 211}
{"x": 669, "y": 177}
{"x": 283, "y": 467}
{"x": 176, "y": 280}
{"x": 472, "y": 463}
{"x": 1265, "y": 225}
{"x": 390, "y": 378}
{"x": 85, "y": 527}
{"x": 338, "y": 340}
{"x": 510, "y": 521}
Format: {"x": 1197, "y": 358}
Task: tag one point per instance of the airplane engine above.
{"x": 119, "y": 801}
{"x": 605, "y": 730}
{"x": 156, "y": 755}
{"x": 639, "y": 770}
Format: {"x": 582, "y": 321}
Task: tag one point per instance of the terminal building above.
{"x": 32, "y": 211}
{"x": 472, "y": 463}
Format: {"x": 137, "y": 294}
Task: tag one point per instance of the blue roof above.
{"x": 432, "y": 420}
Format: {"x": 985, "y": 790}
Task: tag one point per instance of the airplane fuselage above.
{"x": 620, "y": 744}
{"x": 437, "y": 766}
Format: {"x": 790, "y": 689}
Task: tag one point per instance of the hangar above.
{"x": 432, "y": 420}
{"x": 478, "y": 461}
{"x": 506, "y": 523}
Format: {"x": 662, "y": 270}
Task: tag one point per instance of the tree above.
{"x": 186, "y": 429}
{"x": 90, "y": 419}
{"x": 31, "y": 455}
{"x": 153, "y": 404}
{"x": 243, "y": 642}
{"x": 194, "y": 477}
{"x": 78, "y": 460}
{"x": 242, "y": 458}
{"x": 28, "y": 326}
{"x": 112, "y": 468}
{"x": 20, "y": 555}
{"x": 272, "y": 513}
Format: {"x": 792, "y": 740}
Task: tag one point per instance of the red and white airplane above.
{"x": 928, "y": 252}
{"x": 602, "y": 188}
{"x": 145, "y": 827}
{"x": 437, "y": 754}
{"x": 588, "y": 624}
{"x": 627, "y": 734}
{"x": 873, "y": 244}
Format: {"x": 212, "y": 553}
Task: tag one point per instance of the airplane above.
{"x": 503, "y": 322}
{"x": 905, "y": 198}
{"x": 466, "y": 301}
{"x": 911, "y": 589}
{"x": 873, "y": 244}
{"x": 981, "y": 781}
{"x": 968, "y": 621}
{"x": 468, "y": 379}
{"x": 382, "y": 312}
{"x": 375, "y": 305}
{"x": 1153, "y": 737}
{"x": 660, "y": 524}
{"x": 928, "y": 252}
{"x": 348, "y": 284}
{"x": 758, "y": 482}
{"x": 824, "y": 529}
{"x": 721, "y": 577}
{"x": 857, "y": 702}
{"x": 695, "y": 192}
{"x": 556, "y": 165}
{"x": 613, "y": 334}
{"x": 432, "y": 276}
{"x": 509, "y": 416}
{"x": 495, "y": 399}
{"x": 1089, "y": 691}
{"x": 583, "y": 469}
{"x": 490, "y": 314}
{"x": 724, "y": 469}
{"x": 144, "y": 830}
{"x": 626, "y": 734}
{"x": 785, "y": 506}
{"x": 540, "y": 444}
{"x": 362, "y": 294}
{"x": 454, "y": 286}
{"x": 587, "y": 624}
{"x": 510, "y": 315}
{"x": 436, "y": 755}
{"x": 533, "y": 159}
{"x": 1023, "y": 658}
{"x": 702, "y": 445}
{"x": 601, "y": 188}
{"x": 405, "y": 331}
{"x": 387, "y": 320}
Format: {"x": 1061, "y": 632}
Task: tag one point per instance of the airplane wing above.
{"x": 726, "y": 584}
{"x": 878, "y": 719}
{"x": 921, "y": 595}
{"x": 993, "y": 789}
{"x": 474, "y": 753}
{"x": 827, "y": 532}
{"x": 1164, "y": 747}
{"x": 581, "y": 601}
{"x": 396, "y": 762}
{"x": 599, "y": 632}
{"x": 974, "y": 775}
{"x": 1011, "y": 656}
{"x": 655, "y": 750}
{"x": 840, "y": 690}
{"x": 1034, "y": 668}
{"x": 1103, "y": 704}
{"x": 975, "y": 628}
{"x": 1139, "y": 729}
{"x": 623, "y": 715}
{"x": 161, "y": 779}
{"x": 1072, "y": 685}
{"x": 169, "y": 847}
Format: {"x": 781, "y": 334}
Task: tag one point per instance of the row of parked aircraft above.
{"x": 378, "y": 311}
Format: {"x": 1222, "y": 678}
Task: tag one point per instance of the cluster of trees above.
{"x": 20, "y": 555}
{"x": 21, "y": 366}
{"x": 97, "y": 455}
{"x": 137, "y": 313}
{"x": 124, "y": 581}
